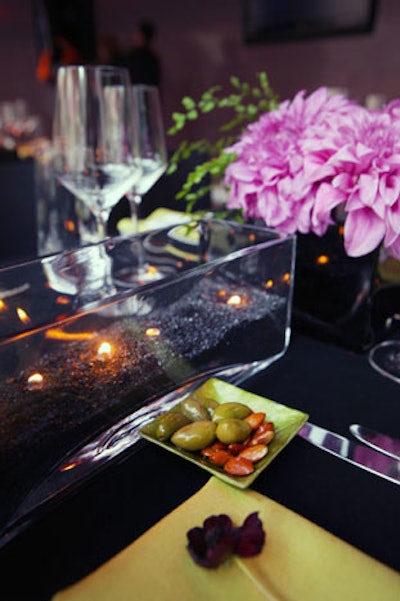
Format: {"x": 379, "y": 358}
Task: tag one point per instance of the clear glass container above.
{"x": 83, "y": 367}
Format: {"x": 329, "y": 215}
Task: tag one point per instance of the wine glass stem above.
{"x": 101, "y": 225}
{"x": 135, "y": 200}
{"x": 103, "y": 257}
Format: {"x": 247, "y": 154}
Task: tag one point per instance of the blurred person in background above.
{"x": 141, "y": 59}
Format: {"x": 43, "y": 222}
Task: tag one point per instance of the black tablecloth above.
{"x": 336, "y": 387}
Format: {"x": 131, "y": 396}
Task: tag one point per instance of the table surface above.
{"x": 335, "y": 386}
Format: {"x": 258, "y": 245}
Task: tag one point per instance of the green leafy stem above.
{"x": 246, "y": 102}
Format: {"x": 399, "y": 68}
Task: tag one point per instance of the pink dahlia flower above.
{"x": 296, "y": 164}
{"x": 363, "y": 175}
{"x": 268, "y": 180}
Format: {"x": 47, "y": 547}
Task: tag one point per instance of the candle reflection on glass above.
{"x": 59, "y": 334}
{"x": 69, "y": 466}
{"x": 69, "y": 225}
{"x": 63, "y": 300}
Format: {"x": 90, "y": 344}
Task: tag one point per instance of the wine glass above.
{"x": 95, "y": 137}
{"x": 385, "y": 355}
{"x": 385, "y": 358}
{"x": 96, "y": 156}
{"x": 152, "y": 146}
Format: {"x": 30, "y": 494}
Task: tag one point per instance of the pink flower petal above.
{"x": 389, "y": 188}
{"x": 240, "y": 170}
{"x": 368, "y": 188}
{"x": 363, "y": 232}
{"x": 326, "y": 199}
{"x": 393, "y": 249}
{"x": 393, "y": 224}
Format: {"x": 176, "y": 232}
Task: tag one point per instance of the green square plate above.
{"x": 287, "y": 422}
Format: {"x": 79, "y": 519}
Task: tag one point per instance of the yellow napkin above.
{"x": 299, "y": 562}
{"x": 160, "y": 217}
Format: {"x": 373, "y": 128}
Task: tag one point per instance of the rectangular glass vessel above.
{"x": 84, "y": 363}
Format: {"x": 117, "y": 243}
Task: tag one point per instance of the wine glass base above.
{"x": 385, "y": 358}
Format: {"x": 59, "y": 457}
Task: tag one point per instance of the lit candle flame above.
{"x": 286, "y": 278}
{"x": 104, "y": 351}
{"x": 23, "y": 315}
{"x": 269, "y": 284}
{"x": 233, "y": 300}
{"x": 3, "y": 305}
{"x": 236, "y": 300}
{"x": 35, "y": 381}
{"x": 152, "y": 332}
{"x": 322, "y": 260}
{"x": 149, "y": 274}
{"x": 152, "y": 269}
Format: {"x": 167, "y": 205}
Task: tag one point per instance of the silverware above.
{"x": 356, "y": 454}
{"x": 376, "y": 440}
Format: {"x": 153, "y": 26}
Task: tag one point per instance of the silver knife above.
{"x": 376, "y": 440}
{"x": 356, "y": 454}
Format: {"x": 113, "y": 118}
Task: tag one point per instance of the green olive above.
{"x": 232, "y": 430}
{"x": 195, "y": 436}
{"x": 228, "y": 410}
{"x": 193, "y": 410}
{"x": 209, "y": 403}
{"x": 168, "y": 423}
{"x": 151, "y": 428}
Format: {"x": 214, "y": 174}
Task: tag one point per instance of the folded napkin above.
{"x": 300, "y": 561}
{"x": 160, "y": 217}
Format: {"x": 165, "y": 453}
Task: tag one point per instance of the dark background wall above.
{"x": 201, "y": 44}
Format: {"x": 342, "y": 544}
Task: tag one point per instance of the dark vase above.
{"x": 333, "y": 293}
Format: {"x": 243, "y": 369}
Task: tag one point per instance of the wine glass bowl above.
{"x": 385, "y": 358}
{"x": 152, "y": 145}
{"x": 95, "y": 137}
{"x": 384, "y": 355}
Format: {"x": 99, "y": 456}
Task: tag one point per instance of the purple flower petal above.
{"x": 211, "y": 545}
{"x": 218, "y": 539}
{"x": 251, "y": 537}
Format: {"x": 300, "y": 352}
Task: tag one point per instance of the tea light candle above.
{"x": 35, "y": 381}
{"x": 152, "y": 332}
{"x": 232, "y": 300}
{"x": 104, "y": 351}
{"x": 23, "y": 315}
{"x": 236, "y": 300}
{"x": 322, "y": 260}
